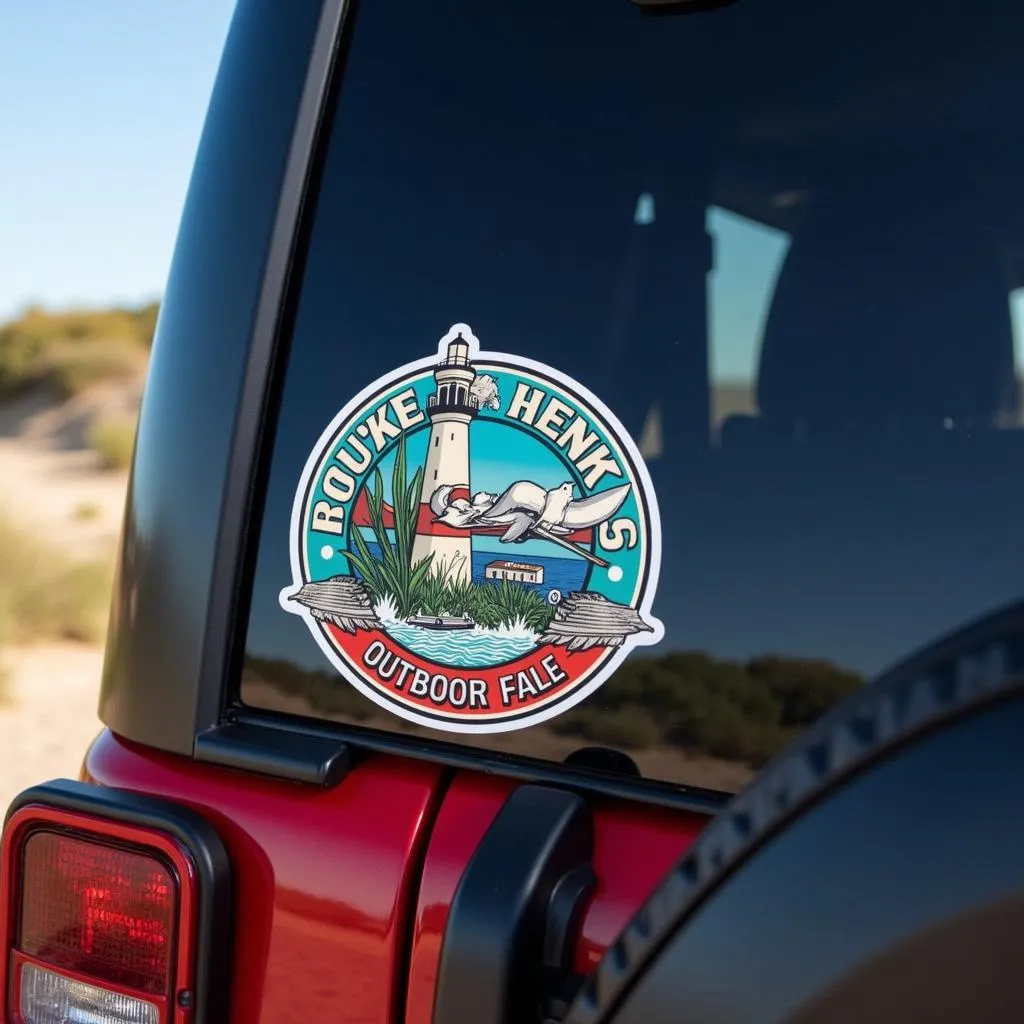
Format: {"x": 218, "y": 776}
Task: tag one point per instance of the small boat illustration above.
{"x": 443, "y": 622}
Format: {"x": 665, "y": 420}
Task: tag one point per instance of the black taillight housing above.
{"x": 114, "y": 908}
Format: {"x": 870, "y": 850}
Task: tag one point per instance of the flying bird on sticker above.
{"x": 526, "y": 510}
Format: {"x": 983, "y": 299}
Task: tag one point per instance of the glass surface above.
{"x": 781, "y": 241}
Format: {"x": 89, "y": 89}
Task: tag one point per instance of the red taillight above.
{"x": 98, "y": 910}
{"x": 100, "y": 920}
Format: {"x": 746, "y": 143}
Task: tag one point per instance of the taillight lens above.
{"x": 98, "y": 910}
{"x": 50, "y": 998}
{"x": 100, "y": 917}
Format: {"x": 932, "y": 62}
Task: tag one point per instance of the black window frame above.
{"x": 207, "y": 423}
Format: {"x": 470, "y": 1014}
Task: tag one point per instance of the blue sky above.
{"x": 101, "y": 106}
{"x": 102, "y": 103}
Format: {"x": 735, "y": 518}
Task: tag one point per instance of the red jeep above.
{"x": 564, "y": 416}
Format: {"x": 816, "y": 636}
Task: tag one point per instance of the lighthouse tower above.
{"x": 451, "y": 409}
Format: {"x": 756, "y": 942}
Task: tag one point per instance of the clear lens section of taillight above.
{"x": 51, "y": 998}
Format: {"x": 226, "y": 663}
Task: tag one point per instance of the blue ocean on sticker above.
{"x": 560, "y": 575}
{"x": 474, "y": 509}
{"x": 474, "y": 647}
{"x": 481, "y": 645}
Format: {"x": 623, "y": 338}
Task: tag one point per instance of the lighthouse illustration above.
{"x": 451, "y": 408}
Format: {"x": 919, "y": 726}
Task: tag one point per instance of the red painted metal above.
{"x": 634, "y": 848}
{"x": 324, "y": 878}
{"x": 328, "y": 910}
{"x": 469, "y": 807}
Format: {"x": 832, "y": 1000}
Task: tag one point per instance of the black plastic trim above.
{"x": 297, "y": 757}
{"x": 263, "y": 759}
{"x": 176, "y": 594}
{"x": 222, "y": 636}
{"x": 966, "y": 671}
{"x": 210, "y": 1000}
{"x": 407, "y": 937}
{"x": 511, "y": 922}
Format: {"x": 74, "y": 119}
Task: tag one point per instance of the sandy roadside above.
{"x": 50, "y": 480}
{"x": 50, "y": 719}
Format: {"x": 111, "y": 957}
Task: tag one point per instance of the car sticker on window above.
{"x": 475, "y": 541}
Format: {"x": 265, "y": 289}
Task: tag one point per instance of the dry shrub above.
{"x": 113, "y": 438}
{"x": 73, "y": 350}
{"x": 71, "y": 367}
{"x": 44, "y": 595}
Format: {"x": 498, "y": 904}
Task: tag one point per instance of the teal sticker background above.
{"x": 502, "y": 451}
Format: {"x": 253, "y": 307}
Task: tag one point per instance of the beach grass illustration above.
{"x": 408, "y": 588}
{"x": 392, "y": 576}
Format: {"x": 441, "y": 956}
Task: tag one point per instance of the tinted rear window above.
{"x": 780, "y": 242}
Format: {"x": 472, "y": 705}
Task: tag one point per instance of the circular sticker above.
{"x": 475, "y": 541}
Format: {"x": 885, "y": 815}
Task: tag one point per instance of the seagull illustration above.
{"x": 528, "y": 510}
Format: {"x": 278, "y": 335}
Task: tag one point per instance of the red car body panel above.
{"x": 470, "y": 805}
{"x": 324, "y": 878}
{"x": 634, "y": 849}
{"x": 624, "y": 878}
{"x": 329, "y": 881}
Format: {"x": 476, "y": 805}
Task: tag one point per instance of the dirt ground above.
{"x": 48, "y": 477}
{"x": 50, "y": 719}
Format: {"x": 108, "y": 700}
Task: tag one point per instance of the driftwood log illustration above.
{"x": 342, "y": 600}
{"x": 591, "y": 620}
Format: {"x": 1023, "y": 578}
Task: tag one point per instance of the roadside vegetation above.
{"x": 690, "y": 701}
{"x": 45, "y": 595}
{"x": 87, "y": 511}
{"x": 423, "y": 589}
{"x": 325, "y": 692}
{"x": 113, "y": 439}
{"x": 68, "y": 353}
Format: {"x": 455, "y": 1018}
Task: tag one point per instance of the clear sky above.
{"x": 101, "y": 106}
